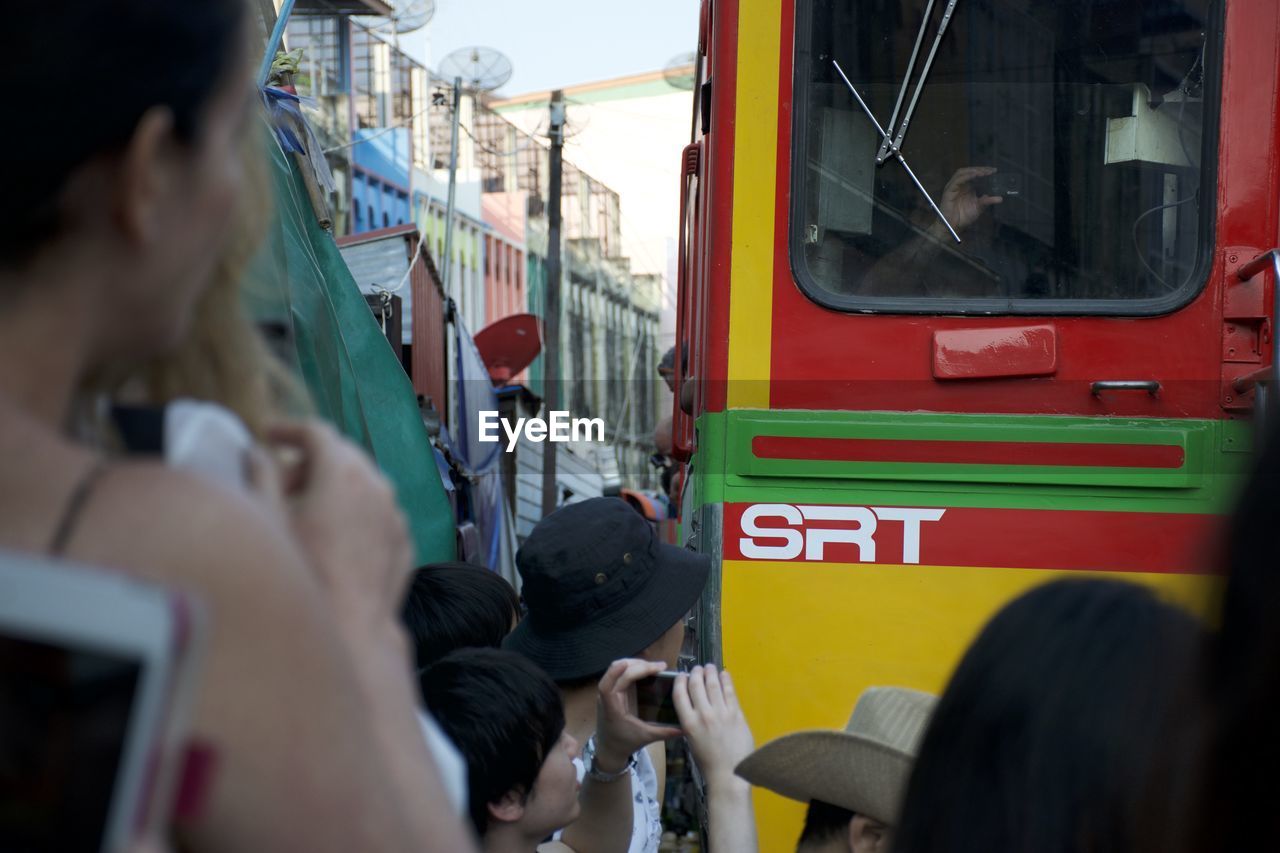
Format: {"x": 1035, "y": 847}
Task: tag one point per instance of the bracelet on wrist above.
{"x": 595, "y": 773}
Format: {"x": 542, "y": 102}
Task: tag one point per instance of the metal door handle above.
{"x": 1151, "y": 386}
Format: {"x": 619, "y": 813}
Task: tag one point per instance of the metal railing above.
{"x": 1263, "y": 379}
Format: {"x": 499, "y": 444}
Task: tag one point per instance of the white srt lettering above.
{"x": 812, "y": 541}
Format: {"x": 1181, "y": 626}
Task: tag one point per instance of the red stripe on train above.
{"x": 1166, "y": 543}
{"x": 969, "y": 452}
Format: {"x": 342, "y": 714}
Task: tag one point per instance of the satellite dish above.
{"x": 680, "y": 71}
{"x": 509, "y": 345}
{"x": 482, "y": 69}
{"x": 409, "y": 15}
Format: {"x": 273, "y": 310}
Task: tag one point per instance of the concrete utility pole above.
{"x": 446, "y": 265}
{"x": 551, "y": 311}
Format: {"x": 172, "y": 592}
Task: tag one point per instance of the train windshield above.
{"x": 1004, "y": 156}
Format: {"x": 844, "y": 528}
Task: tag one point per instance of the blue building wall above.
{"x": 380, "y": 179}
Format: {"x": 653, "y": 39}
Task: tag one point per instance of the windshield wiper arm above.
{"x": 883, "y": 153}
{"x": 886, "y": 147}
{"x": 895, "y": 152}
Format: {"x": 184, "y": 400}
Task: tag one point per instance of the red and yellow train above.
{"x": 973, "y": 294}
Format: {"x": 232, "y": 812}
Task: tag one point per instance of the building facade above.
{"x": 385, "y": 121}
{"x": 627, "y": 133}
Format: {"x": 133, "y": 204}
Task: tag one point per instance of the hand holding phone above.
{"x": 713, "y": 722}
{"x": 620, "y": 732}
{"x": 1002, "y": 184}
{"x": 654, "y": 700}
{"x": 344, "y": 514}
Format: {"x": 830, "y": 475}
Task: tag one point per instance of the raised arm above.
{"x": 719, "y": 738}
{"x": 911, "y": 261}
{"x": 316, "y": 744}
{"x": 606, "y": 821}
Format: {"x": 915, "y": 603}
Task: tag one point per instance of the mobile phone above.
{"x": 1007, "y": 184}
{"x": 654, "y": 703}
{"x": 96, "y": 674}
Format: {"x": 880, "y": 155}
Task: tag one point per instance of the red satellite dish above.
{"x": 509, "y": 345}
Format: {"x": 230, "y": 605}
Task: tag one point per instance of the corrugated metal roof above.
{"x": 380, "y": 265}
{"x": 344, "y": 7}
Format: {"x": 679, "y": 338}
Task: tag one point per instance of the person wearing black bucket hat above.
{"x": 600, "y": 586}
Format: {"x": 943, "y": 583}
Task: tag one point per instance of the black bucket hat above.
{"x": 599, "y": 586}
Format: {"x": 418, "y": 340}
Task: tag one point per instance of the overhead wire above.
{"x": 532, "y": 142}
{"x": 381, "y": 131}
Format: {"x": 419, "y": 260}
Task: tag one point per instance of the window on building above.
{"x": 645, "y": 387}
{"x": 580, "y": 334}
{"x": 612, "y": 354}
{"x": 368, "y": 74}
{"x": 401, "y": 88}
{"x": 1069, "y": 145}
{"x": 421, "y": 117}
{"x": 321, "y": 73}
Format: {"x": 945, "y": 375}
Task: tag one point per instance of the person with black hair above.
{"x": 600, "y": 586}
{"x": 828, "y": 829}
{"x": 1045, "y": 737}
{"x": 111, "y": 229}
{"x": 451, "y": 606}
{"x": 505, "y": 717}
{"x": 667, "y": 368}
{"x": 1232, "y": 805}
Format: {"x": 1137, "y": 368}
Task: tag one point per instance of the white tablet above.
{"x": 95, "y": 669}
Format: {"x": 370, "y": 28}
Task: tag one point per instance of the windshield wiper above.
{"x": 887, "y": 148}
{"x": 895, "y": 151}
{"x": 883, "y": 153}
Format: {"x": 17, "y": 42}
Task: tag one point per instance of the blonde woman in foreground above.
{"x": 109, "y": 235}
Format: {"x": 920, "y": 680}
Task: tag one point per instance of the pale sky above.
{"x": 554, "y": 43}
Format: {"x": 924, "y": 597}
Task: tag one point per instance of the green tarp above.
{"x": 355, "y": 379}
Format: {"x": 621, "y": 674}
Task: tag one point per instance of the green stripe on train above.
{"x": 1215, "y": 461}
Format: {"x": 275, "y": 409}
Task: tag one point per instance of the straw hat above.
{"x": 863, "y": 768}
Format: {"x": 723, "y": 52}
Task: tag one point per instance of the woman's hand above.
{"x": 619, "y": 732}
{"x": 713, "y": 722}
{"x": 344, "y": 515}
